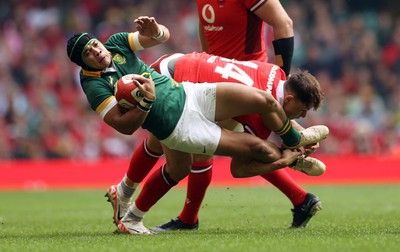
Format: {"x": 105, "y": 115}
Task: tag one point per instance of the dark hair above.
{"x": 75, "y": 46}
{"x": 306, "y": 88}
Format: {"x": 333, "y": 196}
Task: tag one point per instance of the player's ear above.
{"x": 288, "y": 98}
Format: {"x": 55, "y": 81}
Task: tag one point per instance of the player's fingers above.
{"x": 137, "y": 84}
{"x": 139, "y": 78}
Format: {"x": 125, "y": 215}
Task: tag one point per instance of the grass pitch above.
{"x": 354, "y": 218}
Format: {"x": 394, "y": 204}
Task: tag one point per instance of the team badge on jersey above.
{"x": 119, "y": 59}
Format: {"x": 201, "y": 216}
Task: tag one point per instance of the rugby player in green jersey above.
{"x": 182, "y": 116}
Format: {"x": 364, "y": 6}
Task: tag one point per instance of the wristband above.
{"x": 160, "y": 35}
{"x": 136, "y": 42}
{"x": 145, "y": 105}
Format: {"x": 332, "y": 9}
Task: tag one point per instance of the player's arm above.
{"x": 149, "y": 33}
{"x": 123, "y": 120}
{"x": 238, "y": 170}
{"x": 273, "y": 13}
{"x": 128, "y": 121}
{"x": 202, "y": 38}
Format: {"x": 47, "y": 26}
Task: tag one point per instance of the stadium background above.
{"x": 48, "y": 132}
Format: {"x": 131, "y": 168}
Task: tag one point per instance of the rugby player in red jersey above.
{"x": 234, "y": 29}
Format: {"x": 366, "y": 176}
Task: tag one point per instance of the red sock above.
{"x": 198, "y": 182}
{"x": 154, "y": 189}
{"x": 142, "y": 161}
{"x": 285, "y": 183}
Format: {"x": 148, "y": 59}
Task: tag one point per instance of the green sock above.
{"x": 289, "y": 135}
{"x": 293, "y": 164}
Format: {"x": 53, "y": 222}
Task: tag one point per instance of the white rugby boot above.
{"x": 130, "y": 224}
{"x": 311, "y": 135}
{"x": 120, "y": 207}
{"x": 310, "y": 166}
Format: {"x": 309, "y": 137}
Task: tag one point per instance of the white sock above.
{"x": 124, "y": 191}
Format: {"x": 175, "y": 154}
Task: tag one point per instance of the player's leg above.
{"x": 156, "y": 186}
{"x": 251, "y": 150}
{"x": 305, "y": 205}
{"x": 233, "y": 100}
{"x": 142, "y": 161}
{"x": 286, "y": 184}
{"x": 198, "y": 181}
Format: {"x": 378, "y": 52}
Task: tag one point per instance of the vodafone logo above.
{"x": 208, "y": 13}
{"x": 271, "y": 78}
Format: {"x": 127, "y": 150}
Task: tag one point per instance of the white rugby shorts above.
{"x": 196, "y": 131}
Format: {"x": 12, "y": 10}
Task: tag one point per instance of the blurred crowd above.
{"x": 352, "y": 47}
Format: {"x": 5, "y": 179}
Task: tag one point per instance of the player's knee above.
{"x": 179, "y": 175}
{"x": 178, "y": 170}
{"x": 266, "y": 152}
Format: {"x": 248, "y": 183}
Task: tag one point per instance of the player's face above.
{"x": 96, "y": 55}
{"x": 294, "y": 108}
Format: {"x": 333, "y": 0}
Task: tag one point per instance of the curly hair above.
{"x": 306, "y": 88}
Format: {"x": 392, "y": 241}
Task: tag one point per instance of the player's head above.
{"x": 76, "y": 48}
{"x": 304, "y": 90}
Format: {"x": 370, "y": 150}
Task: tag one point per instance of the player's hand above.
{"x": 147, "y": 26}
{"x": 291, "y": 155}
{"x": 309, "y": 149}
{"x": 146, "y": 86}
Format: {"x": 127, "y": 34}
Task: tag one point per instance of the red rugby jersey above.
{"x": 232, "y": 29}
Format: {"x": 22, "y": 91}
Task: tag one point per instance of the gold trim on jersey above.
{"x": 91, "y": 73}
{"x": 104, "y": 104}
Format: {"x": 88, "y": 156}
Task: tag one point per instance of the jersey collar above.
{"x": 110, "y": 69}
{"x": 280, "y": 92}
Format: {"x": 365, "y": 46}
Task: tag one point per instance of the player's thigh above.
{"x": 229, "y": 124}
{"x": 236, "y": 99}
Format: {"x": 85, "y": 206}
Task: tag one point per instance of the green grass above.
{"x": 354, "y": 218}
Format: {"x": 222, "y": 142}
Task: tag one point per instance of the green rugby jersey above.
{"x": 99, "y": 86}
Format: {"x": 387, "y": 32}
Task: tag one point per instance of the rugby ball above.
{"x": 126, "y": 92}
